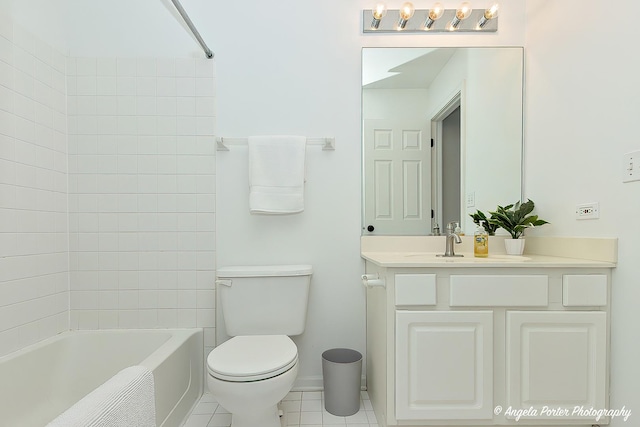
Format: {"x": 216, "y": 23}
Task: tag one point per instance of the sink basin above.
{"x": 467, "y": 257}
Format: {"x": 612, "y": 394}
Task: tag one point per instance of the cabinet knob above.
{"x": 370, "y": 228}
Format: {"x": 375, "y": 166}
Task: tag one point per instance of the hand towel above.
{"x": 126, "y": 400}
{"x": 276, "y": 174}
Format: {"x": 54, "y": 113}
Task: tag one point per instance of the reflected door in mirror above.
{"x": 398, "y": 162}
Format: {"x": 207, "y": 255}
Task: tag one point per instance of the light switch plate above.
{"x": 631, "y": 167}
{"x": 471, "y": 199}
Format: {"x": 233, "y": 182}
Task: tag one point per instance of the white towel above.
{"x": 125, "y": 400}
{"x": 276, "y": 174}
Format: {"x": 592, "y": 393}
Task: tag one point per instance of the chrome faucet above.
{"x": 452, "y": 236}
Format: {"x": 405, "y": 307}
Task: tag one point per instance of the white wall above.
{"x": 34, "y": 297}
{"x": 581, "y": 114}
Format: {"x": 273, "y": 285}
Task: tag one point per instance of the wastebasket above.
{"x": 341, "y": 377}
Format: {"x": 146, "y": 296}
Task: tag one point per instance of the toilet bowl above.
{"x": 250, "y": 374}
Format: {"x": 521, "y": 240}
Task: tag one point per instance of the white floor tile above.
{"x": 302, "y": 409}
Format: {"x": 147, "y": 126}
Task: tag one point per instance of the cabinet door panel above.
{"x": 557, "y": 360}
{"x": 444, "y": 365}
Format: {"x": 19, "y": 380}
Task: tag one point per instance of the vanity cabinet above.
{"x": 444, "y": 365}
{"x": 557, "y": 359}
{"x": 448, "y": 345}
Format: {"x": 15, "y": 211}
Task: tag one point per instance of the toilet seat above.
{"x": 248, "y": 358}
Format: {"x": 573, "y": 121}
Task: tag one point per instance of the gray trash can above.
{"x": 341, "y": 376}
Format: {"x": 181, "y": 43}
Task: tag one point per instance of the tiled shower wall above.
{"x": 142, "y": 193}
{"x": 34, "y": 297}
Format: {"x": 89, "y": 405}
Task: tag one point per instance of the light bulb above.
{"x": 435, "y": 13}
{"x": 490, "y": 13}
{"x": 462, "y": 13}
{"x": 406, "y": 12}
{"x": 378, "y": 13}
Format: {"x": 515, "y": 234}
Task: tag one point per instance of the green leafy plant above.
{"x": 479, "y": 217}
{"x": 516, "y": 218}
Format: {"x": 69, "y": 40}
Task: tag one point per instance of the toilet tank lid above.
{"x": 265, "y": 270}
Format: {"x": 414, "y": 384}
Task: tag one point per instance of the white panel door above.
{"x": 444, "y": 365}
{"x": 556, "y": 360}
{"x": 397, "y": 174}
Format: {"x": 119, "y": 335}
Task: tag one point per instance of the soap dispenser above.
{"x": 481, "y": 242}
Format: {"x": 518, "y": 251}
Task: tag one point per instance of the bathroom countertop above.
{"x": 547, "y": 252}
{"x": 430, "y": 260}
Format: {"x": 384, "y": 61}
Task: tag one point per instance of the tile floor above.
{"x": 302, "y": 409}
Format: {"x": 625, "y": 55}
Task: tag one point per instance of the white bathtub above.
{"x": 41, "y": 381}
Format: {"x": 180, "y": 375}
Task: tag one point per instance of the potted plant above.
{"x": 479, "y": 217}
{"x": 515, "y": 219}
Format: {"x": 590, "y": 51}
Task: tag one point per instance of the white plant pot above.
{"x": 514, "y": 246}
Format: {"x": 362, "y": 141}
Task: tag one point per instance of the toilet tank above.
{"x": 264, "y": 300}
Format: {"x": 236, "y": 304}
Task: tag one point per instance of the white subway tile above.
{"x": 6, "y": 51}
{"x": 146, "y": 106}
{"x": 108, "y": 319}
{"x": 146, "y": 86}
{"x": 126, "y": 105}
{"x": 126, "y": 86}
{"x": 204, "y": 68}
{"x": 185, "y": 67}
{"x": 147, "y": 125}
{"x": 126, "y": 67}
{"x": 106, "y": 85}
{"x": 146, "y": 67}
{"x": 86, "y": 67}
{"x": 186, "y": 106}
{"x": 106, "y": 67}
{"x": 128, "y": 319}
{"x": 166, "y": 67}
{"x": 166, "y": 105}
{"x": 86, "y": 85}
{"x": 205, "y": 88}
{"x": 166, "y": 86}
{"x": 6, "y": 27}
{"x": 185, "y": 86}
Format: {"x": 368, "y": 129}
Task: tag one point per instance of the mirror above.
{"x": 468, "y": 104}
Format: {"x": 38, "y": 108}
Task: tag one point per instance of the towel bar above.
{"x": 223, "y": 143}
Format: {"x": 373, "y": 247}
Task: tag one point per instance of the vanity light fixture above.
{"x": 378, "y": 13}
{"x": 406, "y": 12}
{"x": 462, "y": 13}
{"x": 409, "y": 20}
{"x": 435, "y": 13}
{"x": 489, "y": 14}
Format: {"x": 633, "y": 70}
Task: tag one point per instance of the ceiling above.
{"x": 402, "y": 68}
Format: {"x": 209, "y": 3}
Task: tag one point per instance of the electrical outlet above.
{"x": 631, "y": 167}
{"x": 471, "y": 199}
{"x": 588, "y": 211}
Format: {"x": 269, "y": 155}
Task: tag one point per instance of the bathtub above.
{"x": 41, "y": 381}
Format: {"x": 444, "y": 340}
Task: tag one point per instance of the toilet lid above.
{"x": 252, "y": 357}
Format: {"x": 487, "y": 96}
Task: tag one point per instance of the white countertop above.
{"x": 422, "y": 251}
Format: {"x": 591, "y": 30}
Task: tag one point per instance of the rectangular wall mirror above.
{"x": 469, "y": 102}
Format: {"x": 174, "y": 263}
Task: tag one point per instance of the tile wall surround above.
{"x": 107, "y": 192}
{"x": 34, "y": 257}
{"x": 142, "y": 193}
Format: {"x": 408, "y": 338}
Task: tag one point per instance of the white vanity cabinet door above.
{"x": 557, "y": 360}
{"x": 444, "y": 365}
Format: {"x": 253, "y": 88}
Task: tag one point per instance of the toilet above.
{"x": 252, "y": 372}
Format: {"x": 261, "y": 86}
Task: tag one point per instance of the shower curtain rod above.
{"x": 192, "y": 27}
